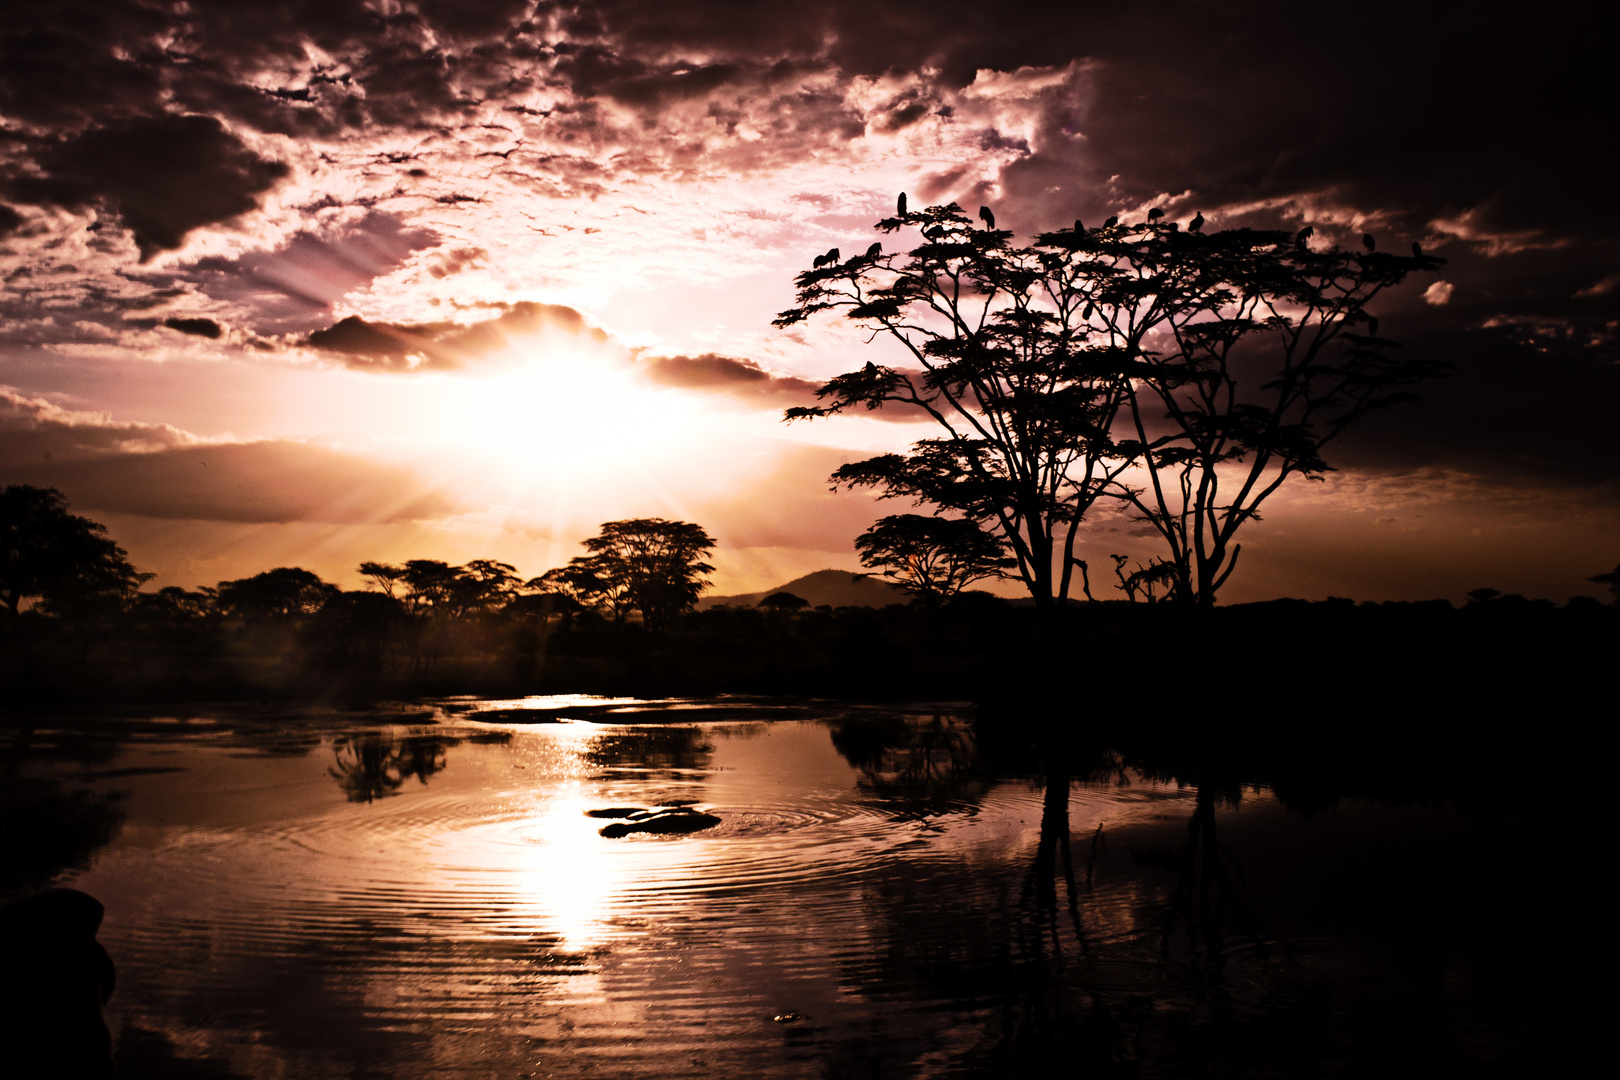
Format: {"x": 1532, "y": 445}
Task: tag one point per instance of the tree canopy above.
{"x": 933, "y": 558}
{"x": 1102, "y": 363}
{"x": 646, "y": 564}
{"x": 281, "y": 593}
{"x": 65, "y": 562}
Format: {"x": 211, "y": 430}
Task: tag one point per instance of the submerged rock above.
{"x": 662, "y": 821}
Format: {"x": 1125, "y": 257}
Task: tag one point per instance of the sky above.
{"x": 310, "y": 283}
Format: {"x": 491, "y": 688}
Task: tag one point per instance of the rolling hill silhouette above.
{"x": 839, "y": 588}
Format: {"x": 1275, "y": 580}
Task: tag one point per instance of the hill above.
{"x": 838, "y": 588}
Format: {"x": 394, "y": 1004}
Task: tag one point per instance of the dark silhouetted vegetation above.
{"x": 1186, "y": 375}
{"x": 429, "y": 627}
{"x": 932, "y": 558}
{"x": 644, "y": 564}
{"x": 63, "y": 562}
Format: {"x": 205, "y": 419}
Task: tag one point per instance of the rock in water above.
{"x": 671, "y": 821}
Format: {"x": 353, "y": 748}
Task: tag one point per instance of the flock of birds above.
{"x": 988, "y": 217}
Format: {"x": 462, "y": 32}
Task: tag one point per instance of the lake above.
{"x": 425, "y": 892}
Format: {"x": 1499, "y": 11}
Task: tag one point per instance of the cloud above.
{"x": 33, "y": 430}
{"x": 298, "y": 281}
{"x": 448, "y": 346}
{"x": 165, "y": 176}
{"x": 729, "y": 375}
{"x": 198, "y": 327}
{"x": 158, "y": 471}
{"x": 1511, "y": 414}
{"x": 1438, "y": 293}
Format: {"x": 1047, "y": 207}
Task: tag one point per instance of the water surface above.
{"x": 326, "y": 896}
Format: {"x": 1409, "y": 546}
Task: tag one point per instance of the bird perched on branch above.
{"x": 1302, "y": 236}
{"x": 1368, "y": 242}
{"x": 1196, "y": 223}
{"x": 1111, "y": 222}
{"x": 900, "y": 207}
{"x": 874, "y": 251}
{"x": 1155, "y": 214}
{"x": 987, "y": 217}
{"x": 1417, "y": 249}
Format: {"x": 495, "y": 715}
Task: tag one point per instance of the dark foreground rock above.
{"x": 661, "y": 821}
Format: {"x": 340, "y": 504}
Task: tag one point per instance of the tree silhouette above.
{"x": 1014, "y": 370}
{"x": 1254, "y": 377}
{"x": 932, "y": 558}
{"x": 1056, "y": 368}
{"x": 282, "y": 593}
{"x": 1145, "y": 581}
{"x": 65, "y": 562}
{"x": 783, "y": 602}
{"x": 646, "y": 564}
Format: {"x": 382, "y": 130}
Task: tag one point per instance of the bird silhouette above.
{"x": 987, "y": 217}
{"x": 1155, "y": 214}
{"x": 832, "y": 255}
{"x": 1368, "y": 242}
{"x": 1078, "y": 227}
{"x": 1372, "y": 327}
{"x": 1111, "y": 222}
{"x": 1303, "y": 235}
{"x": 818, "y": 262}
{"x": 874, "y": 251}
{"x": 1196, "y": 223}
{"x": 1417, "y": 249}
{"x": 900, "y": 207}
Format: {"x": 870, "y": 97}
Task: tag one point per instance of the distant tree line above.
{"x": 618, "y": 618}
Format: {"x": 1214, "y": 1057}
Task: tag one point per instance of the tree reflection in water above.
{"x": 1143, "y": 948}
{"x": 48, "y": 824}
{"x": 676, "y": 753}
{"x": 373, "y": 765}
{"x": 914, "y": 766}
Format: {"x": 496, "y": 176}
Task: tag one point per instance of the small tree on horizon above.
{"x": 933, "y": 558}
{"x": 647, "y": 564}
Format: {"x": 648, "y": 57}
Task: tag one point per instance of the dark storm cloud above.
{"x": 199, "y": 327}
{"x": 1535, "y": 414}
{"x": 163, "y": 176}
{"x": 1416, "y": 110}
{"x": 159, "y": 471}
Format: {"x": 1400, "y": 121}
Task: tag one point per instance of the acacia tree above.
{"x": 1254, "y": 379}
{"x": 1044, "y": 365}
{"x": 932, "y": 558}
{"x": 282, "y": 593}
{"x": 1016, "y": 369}
{"x": 646, "y": 564}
